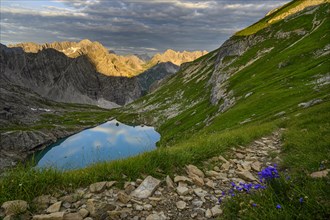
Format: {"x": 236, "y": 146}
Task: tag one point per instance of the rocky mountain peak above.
{"x": 177, "y": 57}
{"x": 111, "y": 64}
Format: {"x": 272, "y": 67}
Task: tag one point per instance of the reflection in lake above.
{"x": 109, "y": 141}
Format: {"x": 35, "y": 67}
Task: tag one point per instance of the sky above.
{"x": 131, "y": 26}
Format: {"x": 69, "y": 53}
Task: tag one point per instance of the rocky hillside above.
{"x": 235, "y": 77}
{"x": 57, "y": 77}
{"x": 111, "y": 64}
{"x": 151, "y": 78}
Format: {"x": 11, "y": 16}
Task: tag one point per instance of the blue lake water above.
{"x": 109, "y": 141}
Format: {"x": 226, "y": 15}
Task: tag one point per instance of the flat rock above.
{"x": 240, "y": 156}
{"x": 182, "y": 179}
{"x": 208, "y": 213}
{"x": 191, "y": 169}
{"x": 320, "y": 174}
{"x": 182, "y": 190}
{"x": 72, "y": 216}
{"x": 98, "y": 208}
{"x": 123, "y": 197}
{"x": 210, "y": 184}
{"x": 70, "y": 198}
{"x": 225, "y": 166}
{"x": 197, "y": 203}
{"x": 200, "y": 192}
{"x": 160, "y": 216}
{"x": 147, "y": 207}
{"x": 138, "y": 207}
{"x": 54, "y": 208}
{"x": 246, "y": 165}
{"x": 197, "y": 180}
{"x": 110, "y": 184}
{"x": 223, "y": 159}
{"x": 83, "y": 212}
{"x": 98, "y": 187}
{"x": 181, "y": 205}
{"x": 146, "y": 188}
{"x": 256, "y": 166}
{"x": 14, "y": 207}
{"x": 212, "y": 173}
{"x": 52, "y": 216}
{"x": 216, "y": 211}
{"x": 247, "y": 176}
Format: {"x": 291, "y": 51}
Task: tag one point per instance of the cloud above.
{"x": 131, "y": 26}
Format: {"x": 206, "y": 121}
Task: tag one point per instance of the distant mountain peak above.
{"x": 109, "y": 63}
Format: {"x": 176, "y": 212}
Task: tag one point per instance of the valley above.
{"x": 259, "y": 102}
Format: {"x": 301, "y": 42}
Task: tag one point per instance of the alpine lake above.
{"x": 109, "y": 141}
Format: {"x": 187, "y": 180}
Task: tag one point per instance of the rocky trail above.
{"x": 191, "y": 196}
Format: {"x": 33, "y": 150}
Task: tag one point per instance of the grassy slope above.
{"x": 275, "y": 89}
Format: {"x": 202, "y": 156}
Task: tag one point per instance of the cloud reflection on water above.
{"x": 102, "y": 143}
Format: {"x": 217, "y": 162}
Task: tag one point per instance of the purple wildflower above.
{"x": 268, "y": 173}
{"x": 278, "y": 206}
{"x": 301, "y": 200}
{"x": 254, "y": 205}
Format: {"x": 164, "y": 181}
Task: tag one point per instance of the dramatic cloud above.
{"x": 131, "y": 26}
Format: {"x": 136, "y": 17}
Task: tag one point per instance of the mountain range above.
{"x": 109, "y": 63}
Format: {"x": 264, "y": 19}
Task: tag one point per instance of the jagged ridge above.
{"x": 111, "y": 64}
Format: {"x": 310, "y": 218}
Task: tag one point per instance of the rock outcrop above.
{"x": 57, "y": 77}
{"x": 151, "y": 78}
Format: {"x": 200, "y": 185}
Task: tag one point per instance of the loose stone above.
{"x": 97, "y": 187}
{"x": 146, "y": 188}
{"x": 54, "y": 208}
{"x": 14, "y": 207}
{"x": 181, "y": 205}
